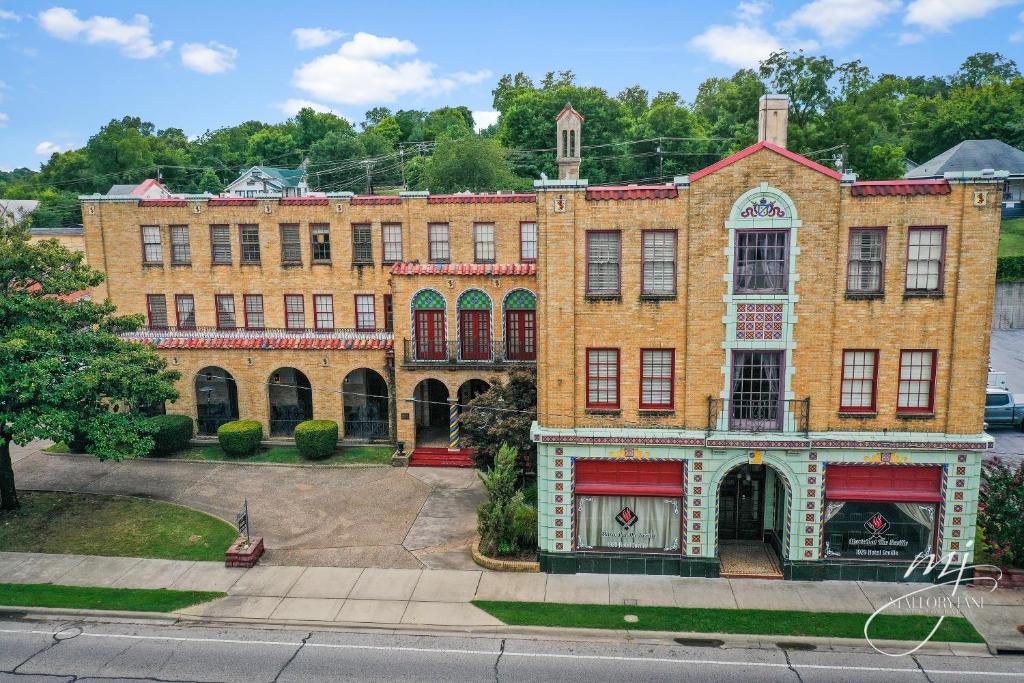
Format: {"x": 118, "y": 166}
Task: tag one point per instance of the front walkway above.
{"x": 442, "y": 597}
{"x": 328, "y": 516}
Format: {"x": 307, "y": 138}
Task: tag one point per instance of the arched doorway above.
{"x": 470, "y": 389}
{"x": 431, "y": 400}
{"x": 474, "y": 325}
{"x": 753, "y": 509}
{"x": 428, "y": 326}
{"x": 216, "y": 399}
{"x": 364, "y": 395}
{"x": 291, "y": 401}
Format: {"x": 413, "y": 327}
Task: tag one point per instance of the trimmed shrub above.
{"x": 524, "y": 527}
{"x": 1010, "y": 268}
{"x": 170, "y": 433}
{"x": 240, "y": 438}
{"x": 506, "y": 524}
{"x": 316, "y": 439}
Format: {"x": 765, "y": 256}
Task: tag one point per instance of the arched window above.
{"x": 521, "y": 325}
{"x": 365, "y": 402}
{"x": 429, "y": 326}
{"x": 291, "y": 401}
{"x": 474, "y": 325}
{"x": 216, "y": 399}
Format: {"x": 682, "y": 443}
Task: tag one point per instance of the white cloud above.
{"x": 133, "y": 38}
{"x": 212, "y": 58}
{"x": 1018, "y": 36}
{"x": 309, "y": 38}
{"x": 4, "y": 118}
{"x": 838, "y": 22}
{"x": 745, "y": 43}
{"x": 46, "y": 148}
{"x": 292, "y": 106}
{"x": 910, "y": 38}
{"x": 368, "y": 69}
{"x": 484, "y": 119}
{"x": 8, "y": 15}
{"x": 941, "y": 15}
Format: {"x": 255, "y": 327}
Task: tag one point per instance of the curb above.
{"x": 502, "y": 565}
{"x": 718, "y": 641}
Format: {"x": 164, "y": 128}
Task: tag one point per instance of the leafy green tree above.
{"x": 375, "y": 116}
{"x": 274, "y": 146}
{"x": 71, "y": 171}
{"x": 984, "y": 67}
{"x": 331, "y": 162}
{"x": 64, "y": 371}
{"x": 450, "y": 121}
{"x": 410, "y": 121}
{"x": 210, "y": 182}
{"x": 56, "y": 209}
{"x": 634, "y": 99}
{"x": 507, "y": 526}
{"x": 488, "y": 430}
{"x": 468, "y": 163}
{"x": 508, "y": 88}
{"x": 884, "y": 162}
{"x": 312, "y": 126}
{"x": 122, "y": 152}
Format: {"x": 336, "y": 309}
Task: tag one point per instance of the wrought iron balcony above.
{"x": 428, "y": 353}
{"x": 759, "y": 415}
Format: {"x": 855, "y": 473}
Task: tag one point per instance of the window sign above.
{"x": 860, "y": 530}
{"x": 628, "y": 522}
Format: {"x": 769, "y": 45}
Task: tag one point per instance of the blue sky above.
{"x": 68, "y": 68}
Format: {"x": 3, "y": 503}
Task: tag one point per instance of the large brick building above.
{"x": 764, "y": 368}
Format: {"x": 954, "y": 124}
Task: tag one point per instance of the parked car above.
{"x": 1002, "y": 409}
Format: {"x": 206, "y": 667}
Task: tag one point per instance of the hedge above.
{"x": 170, "y": 433}
{"x": 316, "y": 439}
{"x": 241, "y": 437}
{"x": 1010, "y": 268}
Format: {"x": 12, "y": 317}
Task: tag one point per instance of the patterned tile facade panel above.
{"x": 759, "y": 321}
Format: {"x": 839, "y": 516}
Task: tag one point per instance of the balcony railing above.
{"x": 450, "y": 352}
{"x": 241, "y": 332}
{"x": 371, "y": 430}
{"x": 759, "y": 415}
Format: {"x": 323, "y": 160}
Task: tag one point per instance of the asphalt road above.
{"x": 34, "y": 650}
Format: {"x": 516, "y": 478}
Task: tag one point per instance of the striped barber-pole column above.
{"x": 453, "y": 424}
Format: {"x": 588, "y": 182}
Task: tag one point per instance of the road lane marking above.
{"x": 526, "y": 655}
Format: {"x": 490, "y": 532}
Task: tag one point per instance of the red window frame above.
{"x": 432, "y": 345}
{"x": 245, "y": 311}
{"x": 940, "y": 286}
{"x": 521, "y": 334}
{"x": 925, "y": 410}
{"x": 389, "y": 314}
{"x": 522, "y": 257}
{"x": 671, "y": 381}
{"x": 149, "y": 311}
{"x": 302, "y": 300}
{"x": 475, "y": 334}
{"x": 373, "y": 301}
{"x": 177, "y": 311}
{"x": 874, "y": 383}
{"x": 317, "y": 312}
{"x": 643, "y": 260}
{"x": 618, "y": 380}
{"x": 618, "y": 276}
{"x": 217, "y": 298}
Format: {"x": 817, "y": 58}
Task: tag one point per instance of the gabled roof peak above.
{"x": 567, "y": 110}
{"x": 792, "y": 156}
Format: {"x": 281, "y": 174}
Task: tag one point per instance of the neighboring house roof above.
{"x": 279, "y": 177}
{"x": 148, "y": 188}
{"x": 17, "y": 209}
{"x": 972, "y": 155}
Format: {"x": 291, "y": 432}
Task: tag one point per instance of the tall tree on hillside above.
{"x": 311, "y": 125}
{"x": 64, "y": 372}
{"x": 729, "y": 105}
{"x": 985, "y": 67}
{"x": 468, "y": 163}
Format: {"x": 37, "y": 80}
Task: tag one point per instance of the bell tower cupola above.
{"x": 569, "y": 127}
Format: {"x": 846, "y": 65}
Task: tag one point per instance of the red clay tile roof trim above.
{"x": 792, "y": 156}
{"x": 632, "y": 192}
{"x": 266, "y": 343}
{"x": 482, "y": 199}
{"x": 884, "y": 188}
{"x": 304, "y": 201}
{"x": 163, "y": 202}
{"x": 464, "y": 269}
{"x": 232, "y": 201}
{"x": 374, "y": 200}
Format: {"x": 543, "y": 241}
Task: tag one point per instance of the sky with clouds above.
{"x": 69, "y": 67}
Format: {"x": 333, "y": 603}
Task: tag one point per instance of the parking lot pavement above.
{"x": 1007, "y": 355}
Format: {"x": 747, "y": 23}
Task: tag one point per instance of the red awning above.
{"x": 884, "y": 482}
{"x": 629, "y": 477}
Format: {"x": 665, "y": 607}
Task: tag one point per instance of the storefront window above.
{"x": 628, "y": 523}
{"x": 860, "y": 530}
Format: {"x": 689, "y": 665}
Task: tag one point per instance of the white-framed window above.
{"x": 152, "y": 247}
{"x": 323, "y": 310}
{"x": 483, "y": 243}
{"x": 366, "y": 314}
{"x": 392, "y": 233}
{"x": 439, "y": 250}
{"x": 603, "y": 262}
{"x": 527, "y": 242}
{"x": 659, "y": 270}
{"x": 657, "y": 371}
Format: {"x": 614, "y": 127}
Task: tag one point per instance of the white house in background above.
{"x": 14, "y": 210}
{"x": 147, "y": 189}
{"x": 260, "y": 180}
{"x": 979, "y": 155}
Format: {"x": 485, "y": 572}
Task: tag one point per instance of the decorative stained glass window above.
{"x": 428, "y": 298}
{"x": 474, "y": 299}
{"x": 520, "y": 299}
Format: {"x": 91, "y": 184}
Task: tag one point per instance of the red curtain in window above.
{"x": 520, "y": 334}
{"x": 430, "y": 341}
{"x": 883, "y": 483}
{"x": 475, "y": 331}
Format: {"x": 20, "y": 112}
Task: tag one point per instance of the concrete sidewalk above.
{"x": 442, "y": 597}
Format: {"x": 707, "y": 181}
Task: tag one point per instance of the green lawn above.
{"x": 347, "y": 455}
{"x": 84, "y": 597}
{"x": 84, "y": 524}
{"x": 745, "y": 621}
{"x": 1011, "y": 237}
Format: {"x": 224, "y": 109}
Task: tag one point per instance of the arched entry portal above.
{"x": 216, "y": 399}
{"x": 291, "y": 401}
{"x": 753, "y": 509}
{"x": 470, "y": 389}
{"x": 364, "y": 395}
{"x": 431, "y": 401}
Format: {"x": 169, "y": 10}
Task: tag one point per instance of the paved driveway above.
{"x": 1007, "y": 355}
{"x": 326, "y": 516}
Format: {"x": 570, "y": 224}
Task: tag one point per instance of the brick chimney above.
{"x": 568, "y": 129}
{"x": 773, "y": 119}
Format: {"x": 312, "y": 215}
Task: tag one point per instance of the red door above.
{"x": 520, "y": 332}
{"x": 430, "y": 342}
{"x": 475, "y": 329}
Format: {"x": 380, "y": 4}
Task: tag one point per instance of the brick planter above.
{"x": 502, "y": 565}
{"x": 244, "y": 553}
{"x": 1011, "y": 578}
